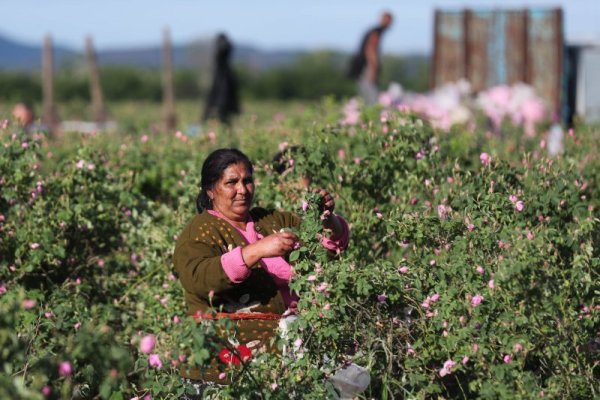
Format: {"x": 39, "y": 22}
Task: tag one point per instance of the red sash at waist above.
{"x": 235, "y": 316}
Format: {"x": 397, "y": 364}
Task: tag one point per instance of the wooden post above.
{"x": 49, "y": 114}
{"x": 527, "y": 71}
{"x": 559, "y": 43}
{"x": 167, "y": 82}
{"x": 98, "y": 110}
{"x": 433, "y": 81}
{"x": 467, "y": 19}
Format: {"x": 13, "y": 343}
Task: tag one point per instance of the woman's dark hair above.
{"x": 212, "y": 170}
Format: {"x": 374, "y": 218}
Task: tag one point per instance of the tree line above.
{"x": 308, "y": 77}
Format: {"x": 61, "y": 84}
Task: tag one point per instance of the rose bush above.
{"x": 472, "y": 270}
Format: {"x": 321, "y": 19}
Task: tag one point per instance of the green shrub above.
{"x": 466, "y": 277}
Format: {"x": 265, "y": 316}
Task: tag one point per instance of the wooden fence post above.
{"x": 98, "y": 110}
{"x": 170, "y": 118}
{"x": 49, "y": 114}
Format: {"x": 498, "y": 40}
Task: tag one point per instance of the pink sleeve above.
{"x": 234, "y": 266}
{"x": 342, "y": 242}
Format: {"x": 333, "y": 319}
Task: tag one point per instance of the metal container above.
{"x": 493, "y": 47}
{"x": 583, "y": 83}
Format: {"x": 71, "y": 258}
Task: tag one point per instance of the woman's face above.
{"x": 232, "y": 194}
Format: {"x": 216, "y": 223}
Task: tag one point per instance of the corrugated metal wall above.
{"x": 491, "y": 47}
{"x": 588, "y": 85}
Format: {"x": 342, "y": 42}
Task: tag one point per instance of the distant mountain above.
{"x": 16, "y": 56}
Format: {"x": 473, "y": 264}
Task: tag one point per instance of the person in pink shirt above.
{"x": 232, "y": 258}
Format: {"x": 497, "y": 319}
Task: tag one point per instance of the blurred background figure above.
{"x": 223, "y": 97}
{"x": 365, "y": 65}
{"x": 23, "y": 114}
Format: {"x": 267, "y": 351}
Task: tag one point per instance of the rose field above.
{"x": 473, "y": 268}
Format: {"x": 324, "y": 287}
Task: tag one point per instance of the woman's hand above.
{"x": 330, "y": 221}
{"x": 327, "y": 202}
{"x": 276, "y": 245}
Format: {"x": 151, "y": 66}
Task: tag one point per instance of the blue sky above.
{"x": 268, "y": 24}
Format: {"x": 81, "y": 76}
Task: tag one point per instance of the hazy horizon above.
{"x": 264, "y": 24}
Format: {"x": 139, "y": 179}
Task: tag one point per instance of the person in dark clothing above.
{"x": 223, "y": 100}
{"x": 365, "y": 66}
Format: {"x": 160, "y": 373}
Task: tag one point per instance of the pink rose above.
{"x": 443, "y": 211}
{"x": 3, "y": 289}
{"x": 519, "y": 206}
{"x": 479, "y": 269}
{"x": 477, "y": 300}
{"x": 447, "y": 368}
{"x": 322, "y": 287}
{"x": 34, "y": 245}
{"x": 507, "y": 358}
{"x": 28, "y": 304}
{"x": 518, "y": 347}
{"x": 304, "y": 206}
{"x": 485, "y": 158}
{"x": 403, "y": 270}
{"x": 530, "y": 235}
{"x": 147, "y": 344}
{"x": 381, "y": 298}
{"x": 65, "y": 368}
{"x": 491, "y": 284}
{"x": 154, "y": 361}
